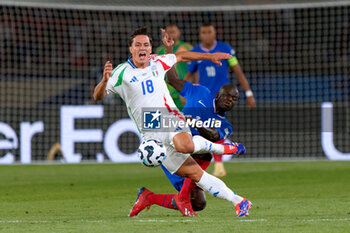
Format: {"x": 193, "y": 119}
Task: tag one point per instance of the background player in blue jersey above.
{"x": 200, "y": 105}
{"x": 213, "y": 76}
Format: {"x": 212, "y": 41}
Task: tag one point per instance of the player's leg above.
{"x": 185, "y": 166}
{"x": 185, "y": 143}
{"x": 191, "y": 169}
{"x": 186, "y": 187}
{"x": 203, "y": 160}
{"x": 213, "y": 185}
{"x": 198, "y": 199}
{"x": 146, "y": 198}
{"x": 219, "y": 170}
{"x": 190, "y": 189}
{"x": 182, "y": 199}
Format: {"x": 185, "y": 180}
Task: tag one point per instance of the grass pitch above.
{"x": 287, "y": 197}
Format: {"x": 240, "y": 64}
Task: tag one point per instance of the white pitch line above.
{"x": 252, "y": 220}
{"x": 159, "y": 220}
{"x": 21, "y": 221}
{"x": 171, "y": 221}
{"x": 325, "y": 220}
{"x": 48, "y": 221}
{"x": 10, "y": 221}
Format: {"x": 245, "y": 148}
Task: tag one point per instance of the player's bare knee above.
{"x": 187, "y": 148}
{"x": 196, "y": 177}
{"x": 183, "y": 143}
{"x": 190, "y": 169}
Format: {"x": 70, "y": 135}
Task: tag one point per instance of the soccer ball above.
{"x": 151, "y": 153}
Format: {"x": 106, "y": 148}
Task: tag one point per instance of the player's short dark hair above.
{"x": 140, "y": 31}
{"x": 207, "y": 24}
{"x": 172, "y": 25}
{"x": 230, "y": 85}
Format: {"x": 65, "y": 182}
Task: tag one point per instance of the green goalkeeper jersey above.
{"x": 181, "y": 69}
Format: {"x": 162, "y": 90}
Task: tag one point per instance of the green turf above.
{"x": 287, "y": 197}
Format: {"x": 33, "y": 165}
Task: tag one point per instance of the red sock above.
{"x": 204, "y": 164}
{"x": 164, "y": 200}
{"x": 186, "y": 189}
{"x": 217, "y": 158}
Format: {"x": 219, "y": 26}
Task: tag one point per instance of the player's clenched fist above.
{"x": 107, "y": 73}
{"x": 167, "y": 40}
{"x": 216, "y": 57}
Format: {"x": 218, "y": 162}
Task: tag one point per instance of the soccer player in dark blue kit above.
{"x": 200, "y": 106}
{"x": 214, "y": 76}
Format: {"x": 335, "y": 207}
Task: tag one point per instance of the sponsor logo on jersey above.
{"x": 200, "y": 101}
{"x": 178, "y": 129}
{"x": 133, "y": 80}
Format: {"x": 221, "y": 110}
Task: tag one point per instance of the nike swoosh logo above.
{"x": 200, "y": 101}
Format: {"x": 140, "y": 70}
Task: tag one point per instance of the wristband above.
{"x": 248, "y": 93}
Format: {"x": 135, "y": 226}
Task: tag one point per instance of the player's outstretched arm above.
{"x": 100, "y": 90}
{"x": 173, "y": 79}
{"x": 167, "y": 41}
{"x": 211, "y": 134}
{"x": 195, "y": 56}
{"x": 171, "y": 76}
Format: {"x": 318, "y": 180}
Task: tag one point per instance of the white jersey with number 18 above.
{"x": 143, "y": 88}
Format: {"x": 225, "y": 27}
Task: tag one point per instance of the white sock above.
{"x": 202, "y": 145}
{"x": 217, "y": 188}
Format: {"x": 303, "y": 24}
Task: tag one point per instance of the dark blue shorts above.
{"x": 176, "y": 181}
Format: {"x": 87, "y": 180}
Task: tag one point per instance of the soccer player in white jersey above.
{"x": 140, "y": 83}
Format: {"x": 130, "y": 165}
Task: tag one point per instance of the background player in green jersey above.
{"x": 181, "y": 68}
